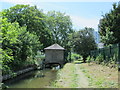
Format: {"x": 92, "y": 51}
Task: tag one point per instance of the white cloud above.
{"x": 82, "y": 22}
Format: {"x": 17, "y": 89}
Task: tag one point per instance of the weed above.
{"x": 96, "y": 80}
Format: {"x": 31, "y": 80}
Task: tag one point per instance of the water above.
{"x": 34, "y": 79}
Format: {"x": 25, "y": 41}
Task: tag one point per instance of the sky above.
{"x": 83, "y": 13}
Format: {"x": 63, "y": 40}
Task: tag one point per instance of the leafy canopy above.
{"x": 83, "y": 42}
{"x": 110, "y": 26}
{"x": 30, "y": 17}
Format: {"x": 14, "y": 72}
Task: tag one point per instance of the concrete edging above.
{"x": 6, "y": 77}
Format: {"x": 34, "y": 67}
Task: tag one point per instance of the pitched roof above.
{"x": 54, "y": 46}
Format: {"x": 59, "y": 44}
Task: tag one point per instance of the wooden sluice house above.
{"x": 54, "y": 54}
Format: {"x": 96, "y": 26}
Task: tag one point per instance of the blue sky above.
{"x": 83, "y": 13}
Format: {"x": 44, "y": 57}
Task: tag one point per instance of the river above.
{"x": 34, "y": 79}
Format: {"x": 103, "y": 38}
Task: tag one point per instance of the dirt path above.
{"x": 82, "y": 80}
{"x": 71, "y": 77}
{"x": 82, "y": 75}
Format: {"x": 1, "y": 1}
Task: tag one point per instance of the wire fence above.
{"x": 108, "y": 53}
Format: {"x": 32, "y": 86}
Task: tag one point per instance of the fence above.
{"x": 108, "y": 53}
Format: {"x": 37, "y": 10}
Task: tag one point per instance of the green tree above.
{"x": 60, "y": 26}
{"x": 30, "y": 17}
{"x": 18, "y": 46}
{"x": 110, "y": 26}
{"x": 9, "y": 33}
{"x": 83, "y": 42}
{"x": 25, "y": 49}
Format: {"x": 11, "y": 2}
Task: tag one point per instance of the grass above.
{"x": 66, "y": 77}
{"x": 100, "y": 76}
{"x": 84, "y": 75}
{"x": 70, "y": 76}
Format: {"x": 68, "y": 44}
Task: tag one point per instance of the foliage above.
{"x": 39, "y": 58}
{"x": 60, "y": 26}
{"x": 112, "y": 62}
{"x": 17, "y": 46}
{"x": 30, "y": 17}
{"x": 25, "y": 30}
{"x": 110, "y": 26}
{"x": 83, "y": 42}
{"x": 53, "y": 27}
{"x": 88, "y": 59}
{"x": 99, "y": 59}
{"x": 108, "y": 56}
{"x": 26, "y": 48}
{"x": 75, "y": 56}
{"x": 9, "y": 36}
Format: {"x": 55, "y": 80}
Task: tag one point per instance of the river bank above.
{"x": 15, "y": 74}
{"x": 33, "y": 79}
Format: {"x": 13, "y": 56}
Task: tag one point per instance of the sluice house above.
{"x": 54, "y": 54}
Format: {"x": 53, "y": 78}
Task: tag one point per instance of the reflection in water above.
{"x": 35, "y": 79}
{"x": 56, "y": 67}
{"x": 39, "y": 74}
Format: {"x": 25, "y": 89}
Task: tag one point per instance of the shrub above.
{"x": 88, "y": 59}
{"x": 75, "y": 56}
{"x": 112, "y": 62}
{"x": 6, "y": 70}
{"x": 99, "y": 59}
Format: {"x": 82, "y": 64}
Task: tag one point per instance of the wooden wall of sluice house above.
{"x": 54, "y": 56}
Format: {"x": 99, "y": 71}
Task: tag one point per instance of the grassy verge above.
{"x": 84, "y": 75}
{"x": 70, "y": 76}
{"x": 100, "y": 76}
{"x": 66, "y": 77}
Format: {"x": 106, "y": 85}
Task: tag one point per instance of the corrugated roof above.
{"x": 54, "y": 46}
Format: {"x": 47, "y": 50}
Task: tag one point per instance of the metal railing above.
{"x": 112, "y": 51}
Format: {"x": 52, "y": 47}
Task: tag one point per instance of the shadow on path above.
{"x": 78, "y": 62}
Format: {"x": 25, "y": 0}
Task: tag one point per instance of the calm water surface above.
{"x": 34, "y": 79}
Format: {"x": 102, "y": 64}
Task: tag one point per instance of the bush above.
{"x": 88, "y": 59}
{"x": 6, "y": 70}
{"x": 112, "y": 62}
{"x": 99, "y": 59}
{"x": 75, "y": 56}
